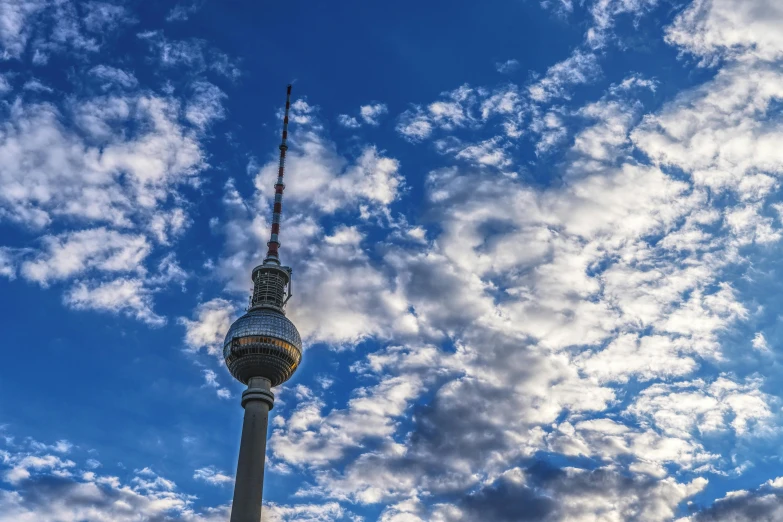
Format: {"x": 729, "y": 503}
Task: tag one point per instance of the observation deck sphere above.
{"x": 262, "y": 343}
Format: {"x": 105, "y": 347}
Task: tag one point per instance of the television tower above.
{"x": 262, "y": 349}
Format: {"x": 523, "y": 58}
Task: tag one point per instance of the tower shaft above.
{"x": 248, "y": 489}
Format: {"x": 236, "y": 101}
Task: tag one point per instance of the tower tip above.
{"x": 274, "y": 241}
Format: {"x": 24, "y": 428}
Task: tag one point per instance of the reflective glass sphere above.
{"x": 262, "y": 343}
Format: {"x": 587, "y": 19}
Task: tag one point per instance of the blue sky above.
{"x": 535, "y": 246}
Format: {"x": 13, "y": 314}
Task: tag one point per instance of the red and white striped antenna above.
{"x": 274, "y": 241}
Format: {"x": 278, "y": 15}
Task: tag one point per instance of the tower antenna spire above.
{"x": 274, "y": 241}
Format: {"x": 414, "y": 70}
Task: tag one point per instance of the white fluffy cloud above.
{"x": 128, "y": 296}
{"x": 114, "y": 76}
{"x": 605, "y": 13}
{"x": 348, "y": 121}
{"x": 73, "y": 253}
{"x": 317, "y": 175}
{"x": 24, "y": 466}
{"x": 193, "y": 54}
{"x": 320, "y": 512}
{"x": 212, "y": 476}
{"x": 338, "y": 293}
{"x": 507, "y": 67}
{"x": 96, "y": 175}
{"x": 712, "y": 29}
{"x": 15, "y": 26}
{"x": 182, "y": 11}
{"x": 689, "y": 408}
{"x": 211, "y": 381}
{"x": 370, "y": 113}
{"x": 208, "y": 329}
{"x": 719, "y": 134}
{"x": 68, "y": 26}
{"x": 308, "y": 438}
{"x": 7, "y": 265}
{"x": 206, "y": 105}
{"x": 579, "y": 68}
{"x": 453, "y": 111}
{"x": 50, "y": 171}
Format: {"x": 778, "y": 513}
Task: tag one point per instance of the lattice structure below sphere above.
{"x": 262, "y": 343}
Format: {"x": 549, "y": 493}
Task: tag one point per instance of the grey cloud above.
{"x": 507, "y": 501}
{"x": 56, "y": 498}
{"x": 542, "y": 493}
{"x": 764, "y": 505}
{"x": 149, "y": 497}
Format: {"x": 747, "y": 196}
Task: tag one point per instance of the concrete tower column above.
{"x": 257, "y": 400}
